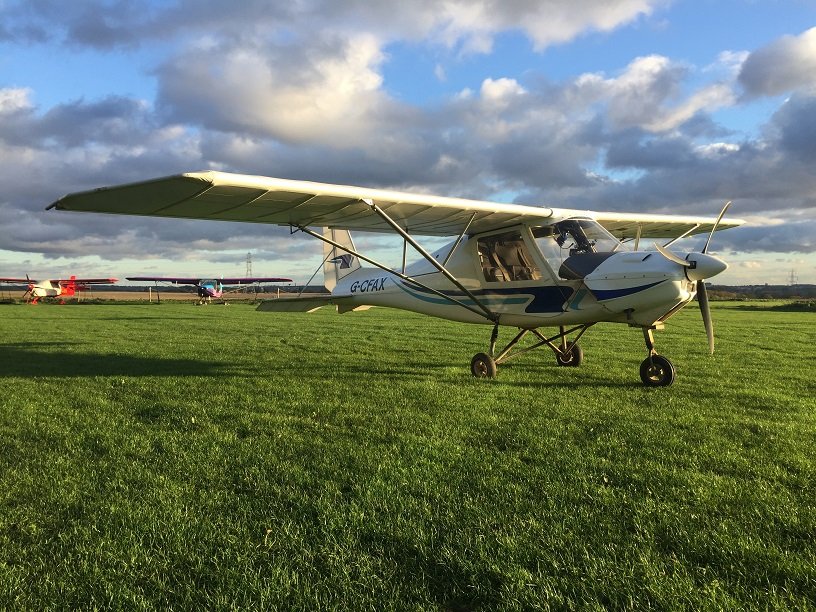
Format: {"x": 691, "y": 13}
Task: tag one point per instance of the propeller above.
{"x": 705, "y": 310}
{"x": 716, "y": 223}
{"x": 702, "y": 292}
{"x": 698, "y": 268}
{"x": 29, "y": 288}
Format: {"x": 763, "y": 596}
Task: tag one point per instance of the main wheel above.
{"x": 483, "y": 366}
{"x": 657, "y": 371}
{"x": 571, "y": 358}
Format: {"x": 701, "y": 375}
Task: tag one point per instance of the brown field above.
{"x": 145, "y": 296}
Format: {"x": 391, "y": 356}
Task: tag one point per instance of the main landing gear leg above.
{"x": 656, "y": 370}
{"x": 483, "y": 365}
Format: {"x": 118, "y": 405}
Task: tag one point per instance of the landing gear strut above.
{"x": 656, "y": 370}
{"x": 484, "y": 365}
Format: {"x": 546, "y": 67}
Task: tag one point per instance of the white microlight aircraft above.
{"x": 509, "y": 265}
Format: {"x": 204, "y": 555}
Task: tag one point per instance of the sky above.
{"x": 654, "y": 106}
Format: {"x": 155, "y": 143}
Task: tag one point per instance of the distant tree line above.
{"x": 762, "y": 292}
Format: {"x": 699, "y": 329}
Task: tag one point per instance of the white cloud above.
{"x": 329, "y": 93}
{"x": 648, "y": 94}
{"x": 786, "y": 64}
{"x": 729, "y": 62}
{"x": 473, "y": 24}
{"x": 14, "y": 100}
{"x": 469, "y": 25}
{"x": 498, "y": 94}
{"x": 715, "y": 149}
{"x": 708, "y": 98}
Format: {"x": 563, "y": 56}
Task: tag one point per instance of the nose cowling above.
{"x": 704, "y": 266}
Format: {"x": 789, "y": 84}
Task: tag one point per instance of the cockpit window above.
{"x": 505, "y": 258}
{"x": 585, "y": 236}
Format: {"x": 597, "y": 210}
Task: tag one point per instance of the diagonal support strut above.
{"x": 418, "y": 247}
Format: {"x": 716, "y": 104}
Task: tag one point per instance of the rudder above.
{"x": 337, "y": 263}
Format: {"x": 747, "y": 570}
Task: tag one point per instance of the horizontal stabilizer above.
{"x": 305, "y": 304}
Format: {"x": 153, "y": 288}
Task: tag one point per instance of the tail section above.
{"x": 338, "y": 263}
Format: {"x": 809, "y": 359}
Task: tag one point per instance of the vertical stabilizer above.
{"x": 338, "y": 263}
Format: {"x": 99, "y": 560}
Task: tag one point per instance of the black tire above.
{"x": 657, "y": 371}
{"x": 572, "y": 358}
{"x": 483, "y": 366}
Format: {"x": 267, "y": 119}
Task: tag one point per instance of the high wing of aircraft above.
{"x": 258, "y": 199}
{"x": 511, "y": 265}
{"x": 208, "y": 289}
{"x": 60, "y": 287}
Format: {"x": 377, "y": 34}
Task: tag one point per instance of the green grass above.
{"x": 189, "y": 457}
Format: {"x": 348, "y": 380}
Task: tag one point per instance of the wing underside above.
{"x": 85, "y": 281}
{"x": 223, "y": 281}
{"x": 165, "y": 279}
{"x": 256, "y": 199}
{"x": 252, "y": 280}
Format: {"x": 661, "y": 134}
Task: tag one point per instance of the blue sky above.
{"x": 636, "y": 105}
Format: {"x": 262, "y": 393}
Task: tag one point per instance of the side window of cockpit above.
{"x": 505, "y": 258}
{"x": 546, "y": 240}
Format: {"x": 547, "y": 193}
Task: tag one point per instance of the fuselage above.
{"x": 210, "y": 289}
{"x": 510, "y": 274}
{"x": 55, "y": 288}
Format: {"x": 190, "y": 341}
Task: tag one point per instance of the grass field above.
{"x": 188, "y": 457}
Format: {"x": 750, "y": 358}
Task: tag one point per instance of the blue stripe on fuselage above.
{"x": 611, "y": 294}
{"x": 542, "y": 298}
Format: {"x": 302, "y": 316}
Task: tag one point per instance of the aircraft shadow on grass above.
{"x": 26, "y": 360}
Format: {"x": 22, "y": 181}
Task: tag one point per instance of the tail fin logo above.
{"x": 344, "y": 261}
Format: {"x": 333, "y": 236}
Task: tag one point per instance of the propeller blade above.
{"x": 29, "y": 288}
{"x": 672, "y": 257}
{"x": 705, "y": 310}
{"x": 716, "y": 223}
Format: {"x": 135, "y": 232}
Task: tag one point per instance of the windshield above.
{"x": 573, "y": 237}
{"x": 585, "y": 236}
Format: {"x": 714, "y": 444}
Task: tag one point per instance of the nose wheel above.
{"x": 656, "y": 370}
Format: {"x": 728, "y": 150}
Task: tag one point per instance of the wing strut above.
{"x": 458, "y": 240}
{"x": 683, "y": 235}
{"x": 404, "y": 277}
{"x": 490, "y": 315}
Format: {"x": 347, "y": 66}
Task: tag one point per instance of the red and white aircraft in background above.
{"x": 36, "y": 290}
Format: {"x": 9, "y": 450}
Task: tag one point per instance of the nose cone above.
{"x": 704, "y": 266}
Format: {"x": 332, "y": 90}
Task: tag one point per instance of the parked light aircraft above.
{"x": 508, "y": 265}
{"x": 212, "y": 288}
{"x": 37, "y": 290}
